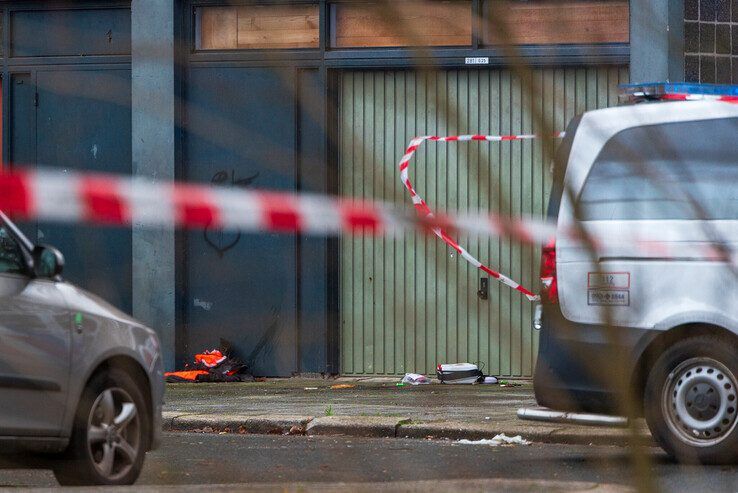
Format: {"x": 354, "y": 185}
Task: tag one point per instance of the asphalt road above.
{"x": 252, "y": 460}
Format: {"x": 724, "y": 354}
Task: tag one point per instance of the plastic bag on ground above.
{"x": 415, "y": 379}
{"x": 498, "y": 440}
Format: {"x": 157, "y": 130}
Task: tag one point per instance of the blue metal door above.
{"x": 240, "y": 287}
{"x": 79, "y": 120}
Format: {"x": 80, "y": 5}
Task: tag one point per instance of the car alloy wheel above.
{"x": 699, "y": 401}
{"x": 113, "y": 437}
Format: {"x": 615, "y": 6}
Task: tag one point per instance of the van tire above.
{"x": 690, "y": 400}
{"x": 81, "y": 464}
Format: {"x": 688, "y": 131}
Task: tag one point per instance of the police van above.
{"x": 642, "y": 318}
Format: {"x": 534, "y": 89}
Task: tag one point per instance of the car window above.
{"x": 684, "y": 170}
{"x": 11, "y": 255}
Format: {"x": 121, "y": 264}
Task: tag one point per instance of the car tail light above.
{"x": 550, "y": 292}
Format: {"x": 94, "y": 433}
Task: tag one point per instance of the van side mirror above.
{"x": 48, "y": 262}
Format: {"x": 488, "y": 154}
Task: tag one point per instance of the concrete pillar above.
{"x": 152, "y": 64}
{"x": 656, "y": 40}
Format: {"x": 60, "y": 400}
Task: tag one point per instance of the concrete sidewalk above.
{"x": 371, "y": 408}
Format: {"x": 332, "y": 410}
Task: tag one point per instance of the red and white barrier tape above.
{"x": 116, "y": 200}
{"x": 425, "y": 212}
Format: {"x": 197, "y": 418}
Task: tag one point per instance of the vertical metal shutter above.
{"x": 411, "y": 303}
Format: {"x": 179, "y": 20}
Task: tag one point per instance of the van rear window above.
{"x": 685, "y": 170}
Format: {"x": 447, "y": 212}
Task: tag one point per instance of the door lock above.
{"x": 483, "y": 292}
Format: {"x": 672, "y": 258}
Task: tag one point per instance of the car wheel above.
{"x": 690, "y": 401}
{"x": 111, "y": 427}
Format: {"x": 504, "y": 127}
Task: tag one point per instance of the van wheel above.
{"x": 108, "y": 442}
{"x": 690, "y": 401}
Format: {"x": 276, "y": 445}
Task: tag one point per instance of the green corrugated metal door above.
{"x": 411, "y": 303}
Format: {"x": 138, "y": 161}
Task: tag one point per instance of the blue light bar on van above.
{"x": 664, "y": 91}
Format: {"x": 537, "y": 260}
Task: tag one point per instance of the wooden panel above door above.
{"x": 407, "y": 23}
{"x": 258, "y": 27}
{"x": 545, "y": 22}
{"x": 377, "y": 24}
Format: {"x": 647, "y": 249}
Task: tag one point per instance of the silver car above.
{"x": 653, "y": 323}
{"x": 78, "y": 378}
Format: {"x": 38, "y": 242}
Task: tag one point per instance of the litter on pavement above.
{"x": 211, "y": 366}
{"x": 498, "y": 440}
{"x": 459, "y": 373}
{"x": 415, "y": 379}
{"x": 462, "y": 373}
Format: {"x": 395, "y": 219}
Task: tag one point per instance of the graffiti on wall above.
{"x": 216, "y": 238}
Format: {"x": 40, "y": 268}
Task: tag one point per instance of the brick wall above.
{"x": 711, "y": 41}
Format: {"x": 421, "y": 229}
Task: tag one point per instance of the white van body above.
{"x": 644, "y": 311}
{"x": 663, "y": 292}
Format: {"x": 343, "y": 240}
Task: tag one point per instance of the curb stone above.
{"x": 238, "y": 423}
{"x": 535, "y": 433}
{"x": 400, "y": 427}
{"x": 357, "y": 426}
